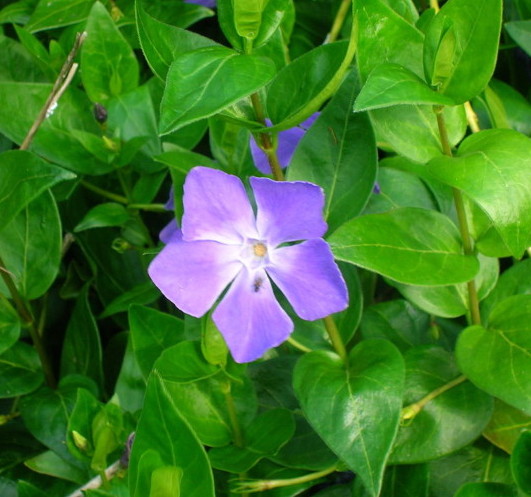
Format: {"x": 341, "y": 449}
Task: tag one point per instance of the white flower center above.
{"x": 254, "y": 254}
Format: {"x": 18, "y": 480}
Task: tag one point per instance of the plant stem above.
{"x": 263, "y": 485}
{"x": 410, "y": 411}
{"x": 473, "y": 299}
{"x": 97, "y": 481}
{"x": 298, "y": 345}
{"x": 27, "y": 317}
{"x": 233, "y": 416}
{"x": 434, "y": 4}
{"x": 335, "y": 338}
{"x": 104, "y": 193}
{"x": 472, "y": 118}
{"x": 338, "y": 21}
{"x": 149, "y": 207}
{"x": 61, "y": 84}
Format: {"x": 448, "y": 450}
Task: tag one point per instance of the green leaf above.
{"x": 520, "y": 462}
{"x": 520, "y": 32}
{"x": 152, "y": 332}
{"x": 391, "y": 84}
{"x": 163, "y": 431}
{"x": 497, "y": 357}
{"x": 446, "y": 423}
{"x": 103, "y": 215}
{"x": 500, "y": 158}
{"x": 49, "y": 463}
{"x": 108, "y": 64}
{"x": 411, "y": 480}
{"x": 9, "y": 325}
{"x": 409, "y": 245}
{"x": 298, "y": 85}
{"x": 517, "y": 108}
{"x": 56, "y": 13}
{"x": 452, "y": 301}
{"x": 31, "y": 247}
{"x": 204, "y": 82}
{"x": 338, "y": 153}
{"x": 248, "y": 17}
{"x": 486, "y": 489}
{"x": 461, "y": 47}
{"x": 82, "y": 348}
{"x": 263, "y": 438}
{"x": 187, "y": 376}
{"x": 162, "y": 43}
{"x": 20, "y": 371}
{"x": 79, "y": 430}
{"x": 23, "y": 177}
{"x": 506, "y": 425}
{"x": 17, "y": 63}
{"x": 343, "y": 404}
{"x": 143, "y": 293}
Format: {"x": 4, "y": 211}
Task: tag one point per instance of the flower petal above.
{"x": 193, "y": 274}
{"x": 310, "y": 279}
{"x": 216, "y": 207}
{"x": 305, "y": 125}
{"x": 288, "y": 211}
{"x": 170, "y": 231}
{"x": 250, "y": 318}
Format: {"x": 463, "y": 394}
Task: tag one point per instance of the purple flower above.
{"x": 224, "y": 244}
{"x": 287, "y": 143}
{"x": 172, "y": 229}
{"x": 205, "y": 3}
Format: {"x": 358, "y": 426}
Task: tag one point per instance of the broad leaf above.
{"x": 103, "y": 215}
{"x": 486, "y": 489}
{"x": 461, "y": 47}
{"x": 163, "y": 431}
{"x": 446, "y": 423}
{"x": 520, "y": 32}
{"x": 497, "y": 357}
{"x": 31, "y": 247}
{"x": 391, "y": 84}
{"x": 108, "y": 64}
{"x": 204, "y": 82}
{"x": 341, "y": 402}
{"x": 10, "y": 325}
{"x": 520, "y": 462}
{"x": 56, "y": 13}
{"x": 338, "y": 153}
{"x": 409, "y": 245}
{"x": 506, "y": 425}
{"x": 20, "y": 371}
{"x": 500, "y": 158}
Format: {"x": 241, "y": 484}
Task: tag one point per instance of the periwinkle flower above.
{"x": 205, "y": 3}
{"x": 224, "y": 244}
{"x": 287, "y": 143}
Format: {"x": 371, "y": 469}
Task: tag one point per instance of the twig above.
{"x": 61, "y": 83}
{"x": 97, "y": 481}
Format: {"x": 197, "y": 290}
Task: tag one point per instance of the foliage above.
{"x": 421, "y": 387}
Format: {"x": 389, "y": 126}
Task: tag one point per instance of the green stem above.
{"x": 263, "y": 485}
{"x": 410, "y": 411}
{"x": 298, "y": 345}
{"x": 104, "y": 193}
{"x": 473, "y": 299}
{"x": 27, "y": 317}
{"x": 149, "y": 207}
{"x": 237, "y": 433}
{"x": 335, "y": 338}
{"x": 338, "y": 21}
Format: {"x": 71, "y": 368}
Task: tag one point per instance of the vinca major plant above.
{"x": 265, "y": 247}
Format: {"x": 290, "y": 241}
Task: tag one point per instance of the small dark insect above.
{"x": 257, "y": 284}
{"x": 333, "y": 134}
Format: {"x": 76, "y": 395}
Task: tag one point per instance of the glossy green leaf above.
{"x": 144, "y": 293}
{"x": 517, "y": 107}
{"x": 486, "y": 489}
{"x": 412, "y": 131}
{"x": 213, "y": 345}
{"x": 452, "y": 301}
{"x": 248, "y": 17}
{"x": 49, "y": 463}
{"x": 520, "y": 32}
{"x": 263, "y": 437}
{"x": 500, "y": 158}
{"x": 82, "y": 347}
{"x": 162, "y": 43}
{"x": 22, "y": 102}
{"x": 410, "y": 480}
{"x": 461, "y": 45}
{"x": 297, "y": 85}
{"x": 187, "y": 376}
{"x": 23, "y": 177}
{"x": 496, "y": 358}
{"x": 506, "y": 425}
{"x": 204, "y": 82}
{"x": 56, "y": 13}
{"x": 152, "y": 332}
{"x": 79, "y": 438}
{"x": 17, "y": 63}
{"x": 9, "y": 325}
{"x": 409, "y": 245}
{"x": 342, "y": 403}
{"x": 514, "y": 281}
{"x": 163, "y": 430}
{"x": 103, "y": 215}
{"x": 520, "y": 462}
{"x": 391, "y": 84}
{"x": 108, "y": 64}
{"x": 446, "y": 423}
{"x": 31, "y": 247}
{"x": 176, "y": 13}
{"x": 338, "y": 153}
{"x": 20, "y": 371}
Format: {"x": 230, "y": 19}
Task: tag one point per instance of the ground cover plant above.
{"x": 272, "y": 247}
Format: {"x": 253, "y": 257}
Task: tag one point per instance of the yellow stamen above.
{"x": 259, "y": 249}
